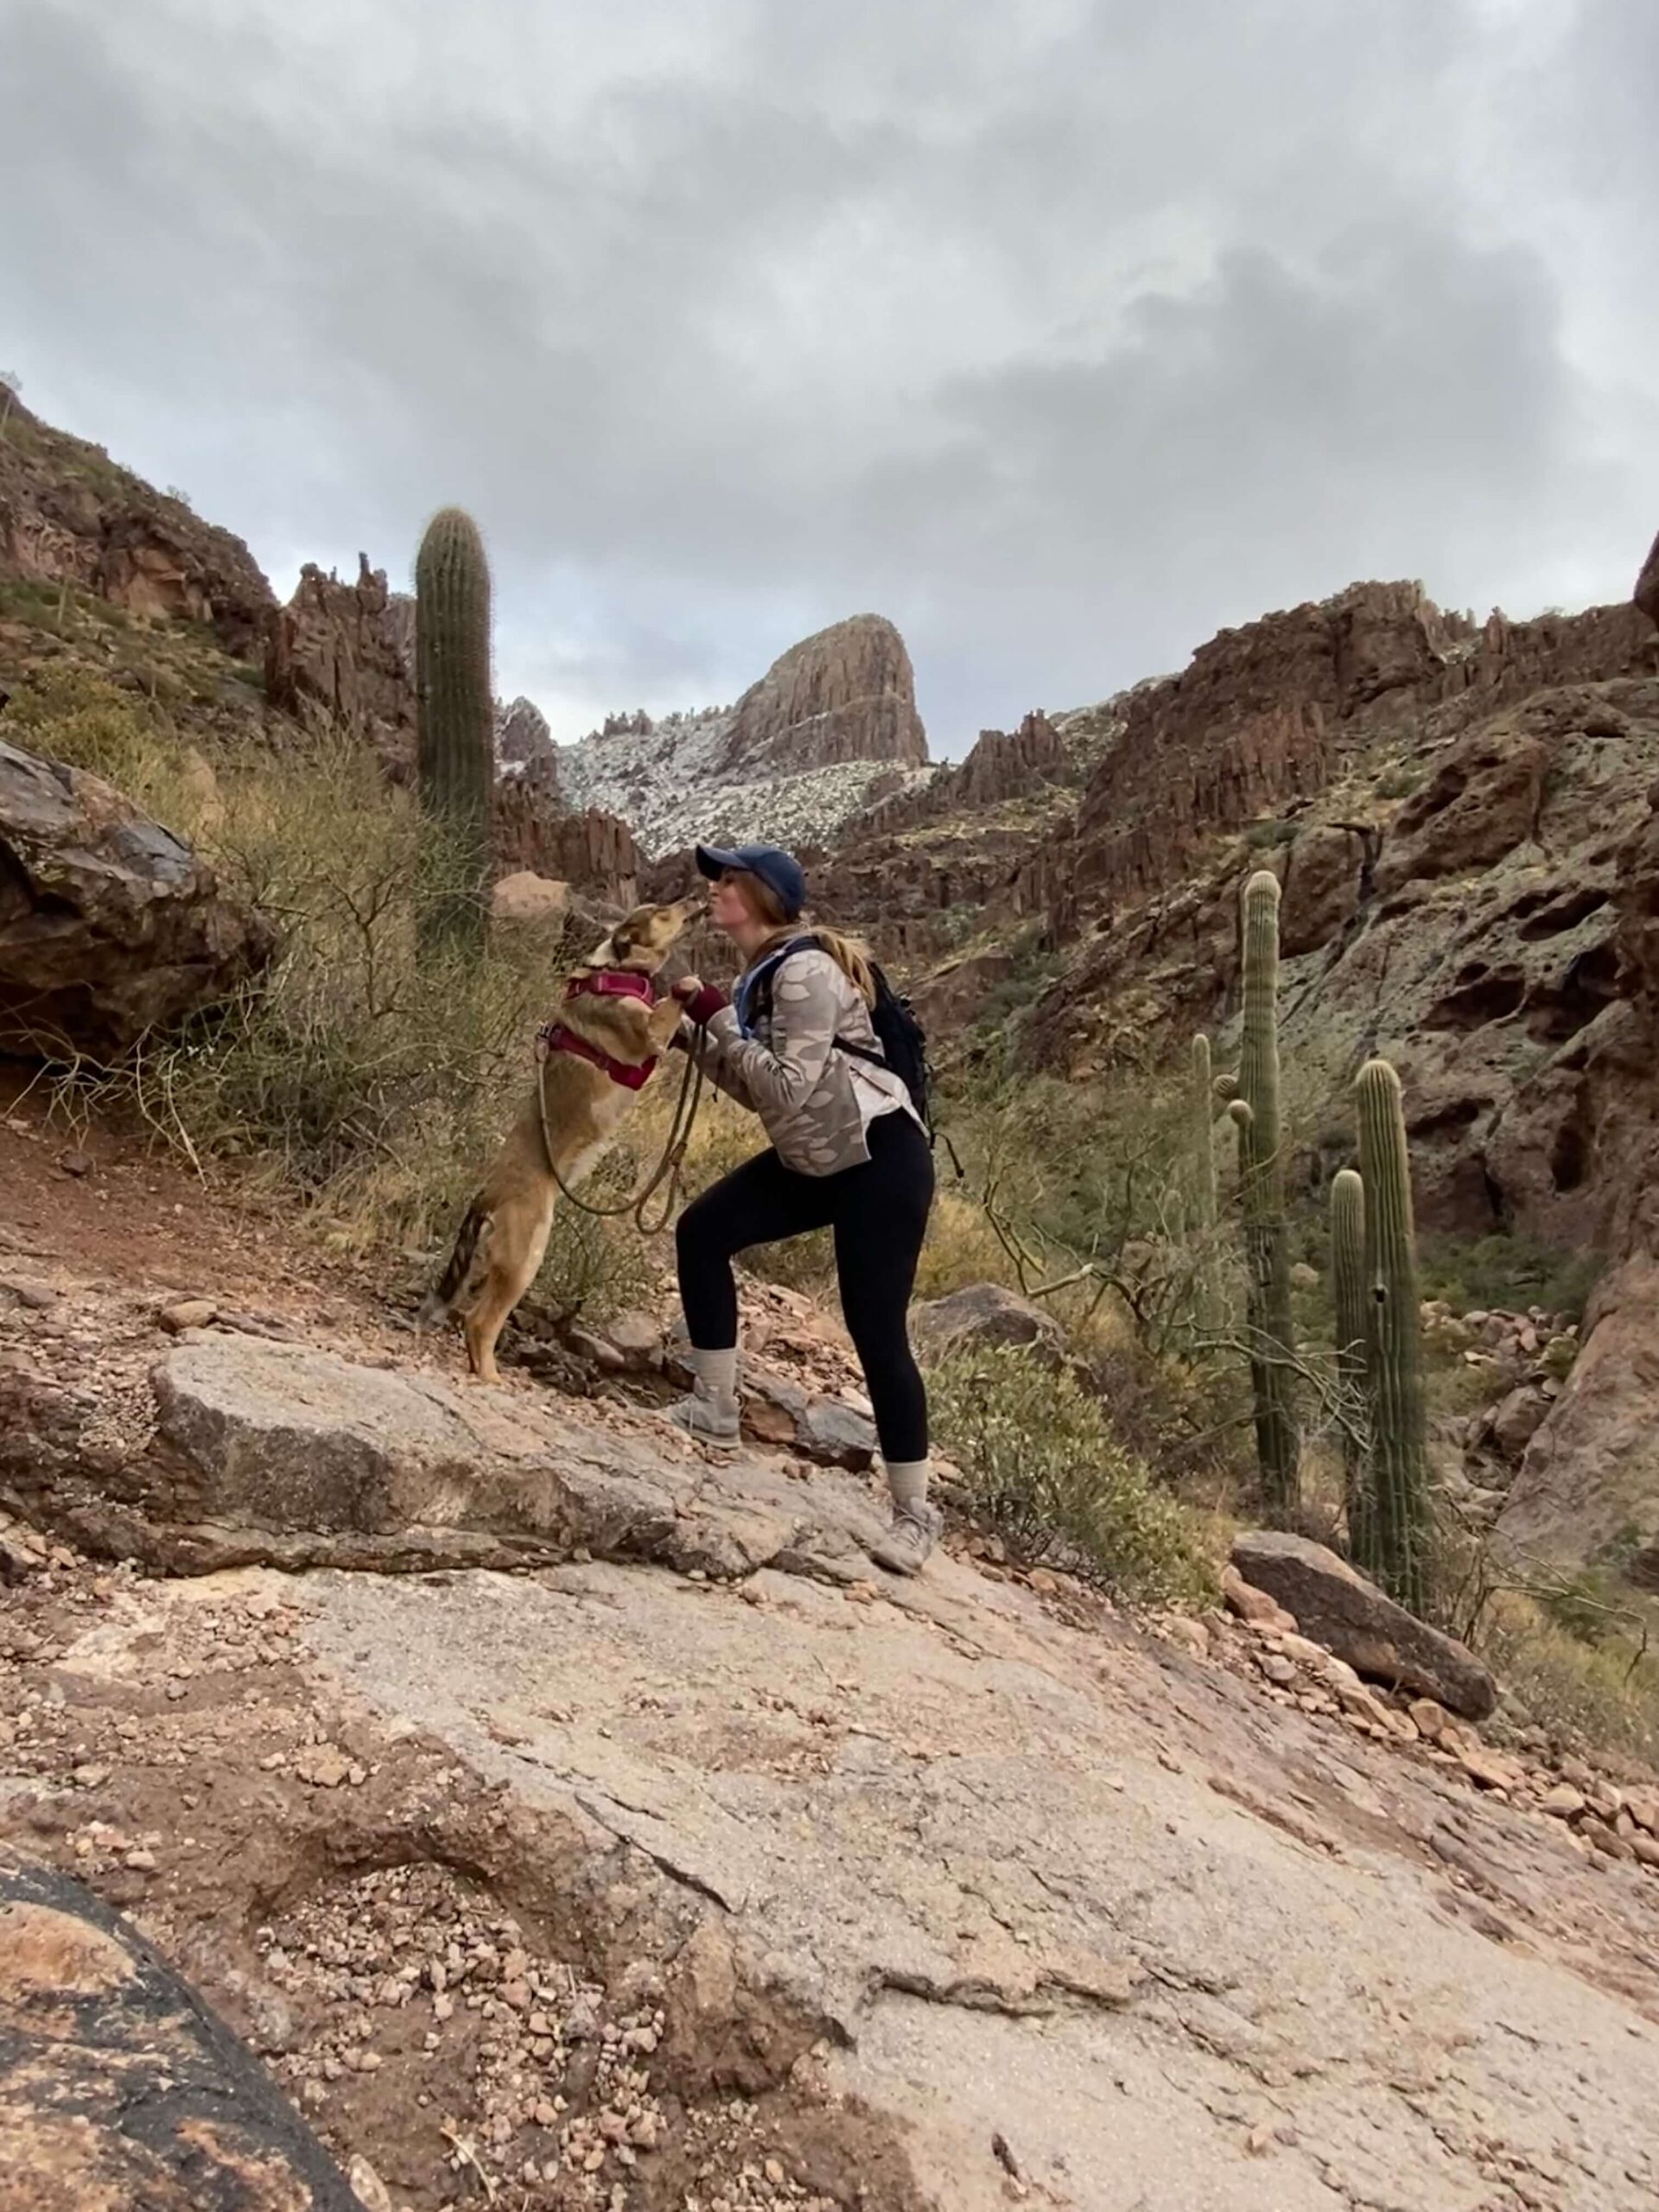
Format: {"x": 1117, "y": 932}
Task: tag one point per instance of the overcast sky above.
{"x": 1063, "y": 332}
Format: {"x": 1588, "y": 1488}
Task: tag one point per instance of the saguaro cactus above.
{"x": 1205, "y": 1200}
{"x": 456, "y": 738}
{"x": 1267, "y": 1244}
{"x": 1397, "y": 1534}
{"x": 1353, "y": 1346}
{"x": 1204, "y": 1149}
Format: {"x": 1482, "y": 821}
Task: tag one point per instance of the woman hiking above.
{"x": 848, "y": 1152}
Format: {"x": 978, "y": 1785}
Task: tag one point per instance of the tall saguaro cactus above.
{"x": 455, "y": 755}
{"x": 1267, "y": 1241}
{"x": 1353, "y": 1344}
{"x": 1396, "y": 1532}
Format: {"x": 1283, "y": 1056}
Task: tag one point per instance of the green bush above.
{"x": 1508, "y": 1271}
{"x": 1041, "y": 1467}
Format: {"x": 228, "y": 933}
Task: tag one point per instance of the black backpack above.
{"x": 898, "y": 1031}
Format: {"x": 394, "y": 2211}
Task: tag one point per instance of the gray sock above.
{"x": 907, "y": 1482}
{"x": 716, "y": 1371}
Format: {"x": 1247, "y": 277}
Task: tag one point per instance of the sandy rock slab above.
{"x": 240, "y": 1450}
{"x": 118, "y": 2087}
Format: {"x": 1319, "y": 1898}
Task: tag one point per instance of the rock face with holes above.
{"x": 1588, "y": 1487}
{"x": 110, "y": 926}
{"x": 118, "y": 2087}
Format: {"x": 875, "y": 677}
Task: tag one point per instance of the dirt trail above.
{"x": 609, "y": 1885}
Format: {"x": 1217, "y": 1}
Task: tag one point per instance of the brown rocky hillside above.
{"x": 1462, "y": 820}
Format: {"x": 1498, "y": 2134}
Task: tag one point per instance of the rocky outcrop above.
{"x": 828, "y": 731}
{"x": 70, "y": 515}
{"x": 531, "y": 829}
{"x": 1646, "y": 594}
{"x": 118, "y": 2087}
{"x": 523, "y": 739}
{"x": 1352, "y": 1618}
{"x": 110, "y": 926}
{"x": 847, "y": 693}
{"x": 343, "y": 653}
{"x": 1265, "y": 717}
{"x": 1588, "y": 1487}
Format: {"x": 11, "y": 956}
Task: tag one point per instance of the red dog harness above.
{"x": 606, "y": 982}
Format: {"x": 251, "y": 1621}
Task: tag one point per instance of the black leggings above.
{"x": 879, "y": 1212}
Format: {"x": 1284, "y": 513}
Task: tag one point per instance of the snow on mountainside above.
{"x": 669, "y": 782}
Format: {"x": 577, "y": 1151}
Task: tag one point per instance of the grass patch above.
{"x": 1042, "y": 1467}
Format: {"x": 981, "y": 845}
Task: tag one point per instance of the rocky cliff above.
{"x": 830, "y": 729}
{"x": 71, "y": 516}
{"x": 847, "y": 693}
{"x": 344, "y": 653}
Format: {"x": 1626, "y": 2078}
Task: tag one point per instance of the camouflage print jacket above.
{"x": 816, "y": 1104}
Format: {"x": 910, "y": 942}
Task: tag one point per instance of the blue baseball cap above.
{"x": 779, "y": 871}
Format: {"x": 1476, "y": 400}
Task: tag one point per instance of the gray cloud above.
{"x": 1063, "y": 334}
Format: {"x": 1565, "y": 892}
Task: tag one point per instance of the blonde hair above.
{"x": 850, "y": 954}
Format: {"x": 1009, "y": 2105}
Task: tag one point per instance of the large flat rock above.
{"x": 1169, "y": 1945}
{"x": 259, "y": 1451}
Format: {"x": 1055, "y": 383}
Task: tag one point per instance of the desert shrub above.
{"x": 1400, "y": 781}
{"x": 1041, "y": 1465}
{"x": 1506, "y": 1270}
{"x": 1598, "y": 1690}
{"x": 77, "y": 716}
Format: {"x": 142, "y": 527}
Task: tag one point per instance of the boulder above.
{"x": 1515, "y": 1421}
{"x": 835, "y": 1435}
{"x": 1350, "y": 1617}
{"x": 119, "y": 2087}
{"x": 526, "y": 900}
{"x": 980, "y": 1316}
{"x": 259, "y": 1451}
{"x": 1588, "y": 1486}
{"x": 110, "y": 926}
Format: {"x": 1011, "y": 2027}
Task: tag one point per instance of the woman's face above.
{"x": 728, "y": 907}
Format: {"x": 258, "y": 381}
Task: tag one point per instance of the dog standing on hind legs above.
{"x": 599, "y": 1055}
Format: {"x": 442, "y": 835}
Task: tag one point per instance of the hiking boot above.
{"x": 905, "y": 1549}
{"x": 707, "y": 1416}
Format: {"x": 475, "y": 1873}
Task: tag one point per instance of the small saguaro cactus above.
{"x": 1204, "y": 1149}
{"x": 455, "y": 755}
{"x": 1397, "y": 1531}
{"x": 1267, "y": 1241}
{"x": 1206, "y": 1198}
{"x": 1353, "y": 1333}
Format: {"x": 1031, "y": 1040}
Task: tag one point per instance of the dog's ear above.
{"x": 621, "y": 944}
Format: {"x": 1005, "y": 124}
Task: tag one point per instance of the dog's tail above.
{"x": 471, "y": 1239}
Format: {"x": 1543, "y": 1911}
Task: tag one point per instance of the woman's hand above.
{"x": 700, "y": 1000}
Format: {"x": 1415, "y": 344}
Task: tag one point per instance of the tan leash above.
{"x": 671, "y": 1164}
